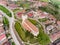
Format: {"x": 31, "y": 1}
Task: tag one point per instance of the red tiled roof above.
{"x": 43, "y": 15}
{"x": 12, "y": 6}
{"x": 55, "y": 36}
{"x": 30, "y": 27}
{"x": 30, "y": 14}
{"x": 2, "y": 36}
{"x": 19, "y": 14}
{"x": 3, "y": 2}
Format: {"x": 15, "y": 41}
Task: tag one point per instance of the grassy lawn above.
{"x": 20, "y": 30}
{"x": 33, "y": 21}
{"x": 13, "y": 43}
{"x": 5, "y": 21}
{"x": 42, "y": 37}
{"x": 42, "y": 20}
{"x": 5, "y": 11}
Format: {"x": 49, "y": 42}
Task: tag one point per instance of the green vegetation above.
{"x": 30, "y": 37}
{"x": 49, "y": 10}
{"x": 7, "y": 35}
{"x": 42, "y": 38}
{"x": 42, "y": 20}
{"x": 57, "y": 16}
{"x": 45, "y": 0}
{"x": 53, "y": 9}
{"x": 57, "y": 2}
{"x": 33, "y": 21}
{"x": 5, "y": 21}
{"x": 20, "y": 30}
{"x": 5, "y": 11}
{"x": 16, "y": 10}
{"x": 25, "y": 5}
{"x": 13, "y": 43}
{"x": 26, "y": 36}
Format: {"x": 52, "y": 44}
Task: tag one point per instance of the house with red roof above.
{"x": 12, "y": 6}
{"x": 3, "y": 2}
{"x": 29, "y": 26}
{"x": 19, "y": 14}
{"x": 43, "y": 15}
{"x": 30, "y": 14}
{"x": 55, "y": 36}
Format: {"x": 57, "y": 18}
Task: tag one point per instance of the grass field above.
{"x": 42, "y": 20}
{"x": 5, "y": 21}
{"x": 5, "y": 11}
{"x": 13, "y": 43}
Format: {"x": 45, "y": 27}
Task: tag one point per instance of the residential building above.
{"x": 55, "y": 36}
{"x": 49, "y": 28}
{"x": 12, "y": 6}
{"x": 52, "y": 18}
{"x": 19, "y": 14}
{"x": 30, "y": 27}
{"x": 30, "y": 14}
{"x": 3, "y": 2}
{"x": 3, "y": 37}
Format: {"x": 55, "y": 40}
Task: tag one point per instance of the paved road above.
{"x": 11, "y": 22}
